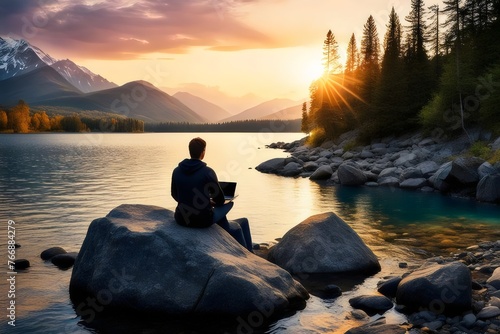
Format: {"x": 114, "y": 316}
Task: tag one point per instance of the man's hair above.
{"x": 196, "y": 147}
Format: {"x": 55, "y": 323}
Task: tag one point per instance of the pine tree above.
{"x": 304, "y": 127}
{"x": 369, "y": 68}
{"x": 434, "y": 35}
{"x": 370, "y": 46}
{"x": 417, "y": 29}
{"x": 352, "y": 62}
{"x": 331, "y": 56}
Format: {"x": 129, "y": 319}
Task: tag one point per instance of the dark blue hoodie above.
{"x": 193, "y": 185}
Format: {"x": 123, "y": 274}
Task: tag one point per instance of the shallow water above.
{"x": 54, "y": 185}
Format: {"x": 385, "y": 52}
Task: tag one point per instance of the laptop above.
{"x": 229, "y": 190}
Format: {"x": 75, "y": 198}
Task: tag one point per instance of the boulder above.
{"x": 271, "y": 166}
{"x": 438, "y": 288}
{"x": 488, "y": 189}
{"x": 323, "y": 243}
{"x": 427, "y": 168}
{"x": 322, "y": 173}
{"x": 389, "y": 287}
{"x": 465, "y": 170}
{"x": 377, "y": 327}
{"x": 406, "y": 160}
{"x": 291, "y": 169}
{"x": 494, "y": 280}
{"x": 496, "y": 144}
{"x": 371, "y": 304}
{"x": 350, "y": 175}
{"x": 51, "y": 252}
{"x": 139, "y": 259}
{"x": 411, "y": 173}
{"x": 388, "y": 181}
{"x": 488, "y": 312}
{"x": 390, "y": 172}
{"x": 486, "y": 169}
{"x": 310, "y": 166}
{"x": 438, "y": 180}
{"x": 413, "y": 183}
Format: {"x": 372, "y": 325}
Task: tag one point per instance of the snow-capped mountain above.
{"x": 81, "y": 77}
{"x": 18, "y": 57}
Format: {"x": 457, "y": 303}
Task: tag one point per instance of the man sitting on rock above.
{"x": 200, "y": 200}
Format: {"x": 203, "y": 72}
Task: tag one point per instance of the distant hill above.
{"x": 291, "y": 113}
{"x": 262, "y": 110}
{"x": 37, "y": 85}
{"x": 208, "y": 110}
{"x": 29, "y": 74}
{"x": 137, "y": 99}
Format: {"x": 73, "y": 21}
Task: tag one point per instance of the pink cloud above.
{"x": 126, "y": 30}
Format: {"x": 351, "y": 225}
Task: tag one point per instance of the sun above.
{"x": 312, "y": 71}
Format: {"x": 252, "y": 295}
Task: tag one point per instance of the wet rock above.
{"x": 488, "y": 312}
{"x": 377, "y": 327}
{"x": 371, "y": 304}
{"x": 323, "y": 243}
{"x": 389, "y": 287}
{"x": 429, "y": 288}
{"x": 494, "y": 280}
{"x": 439, "y": 179}
{"x": 322, "y": 173}
{"x": 310, "y": 166}
{"x": 413, "y": 183}
{"x": 51, "y": 252}
{"x": 350, "y": 175}
{"x": 291, "y": 169}
{"x": 465, "y": 170}
{"x": 488, "y": 189}
{"x": 389, "y": 181}
{"x": 21, "y": 264}
{"x": 359, "y": 314}
{"x": 64, "y": 261}
{"x": 469, "y": 320}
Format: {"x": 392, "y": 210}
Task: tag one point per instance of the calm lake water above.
{"x": 54, "y": 185}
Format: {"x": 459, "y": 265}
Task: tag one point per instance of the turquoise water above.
{"x": 54, "y": 185}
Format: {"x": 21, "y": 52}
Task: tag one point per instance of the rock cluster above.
{"x": 139, "y": 259}
{"x": 410, "y": 162}
{"x": 459, "y": 294}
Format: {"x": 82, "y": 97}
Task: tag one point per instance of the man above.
{"x": 200, "y": 200}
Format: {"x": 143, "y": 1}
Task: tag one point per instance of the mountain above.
{"x": 39, "y": 84}
{"x": 262, "y": 110}
{"x": 208, "y": 110}
{"x": 294, "y": 112}
{"x": 81, "y": 77}
{"x": 18, "y": 57}
{"x": 29, "y": 74}
{"x": 137, "y": 99}
{"x": 232, "y": 104}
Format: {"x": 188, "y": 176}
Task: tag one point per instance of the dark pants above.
{"x": 239, "y": 229}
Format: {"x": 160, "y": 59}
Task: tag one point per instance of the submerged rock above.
{"x": 371, "y": 304}
{"x": 51, "y": 252}
{"x": 323, "y": 243}
{"x": 139, "y": 259}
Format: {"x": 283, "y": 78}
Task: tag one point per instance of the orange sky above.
{"x": 271, "y": 48}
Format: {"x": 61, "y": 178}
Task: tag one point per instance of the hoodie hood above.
{"x": 189, "y": 166}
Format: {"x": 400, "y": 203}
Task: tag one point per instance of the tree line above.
{"x": 19, "y": 119}
{"x": 439, "y": 70}
{"x": 234, "y": 126}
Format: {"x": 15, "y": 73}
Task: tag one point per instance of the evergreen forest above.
{"x": 435, "y": 70}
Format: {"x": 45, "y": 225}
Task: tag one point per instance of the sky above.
{"x": 267, "y": 48}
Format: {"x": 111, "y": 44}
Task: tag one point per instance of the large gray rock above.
{"x": 488, "y": 189}
{"x": 271, "y": 166}
{"x": 486, "y": 169}
{"x": 322, "y": 173}
{"x": 413, "y": 183}
{"x": 438, "y": 288}
{"x": 465, "y": 170}
{"x": 439, "y": 179}
{"x": 323, "y": 243}
{"x": 138, "y": 259}
{"x": 291, "y": 169}
{"x": 496, "y": 144}
{"x": 350, "y": 175}
{"x": 428, "y": 168}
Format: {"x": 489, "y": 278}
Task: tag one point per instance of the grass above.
{"x": 482, "y": 150}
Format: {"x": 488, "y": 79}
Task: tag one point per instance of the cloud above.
{"x": 124, "y": 29}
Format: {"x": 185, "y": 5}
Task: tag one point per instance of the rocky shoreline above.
{"x": 410, "y": 162}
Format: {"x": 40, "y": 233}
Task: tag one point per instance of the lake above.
{"x": 54, "y": 185}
